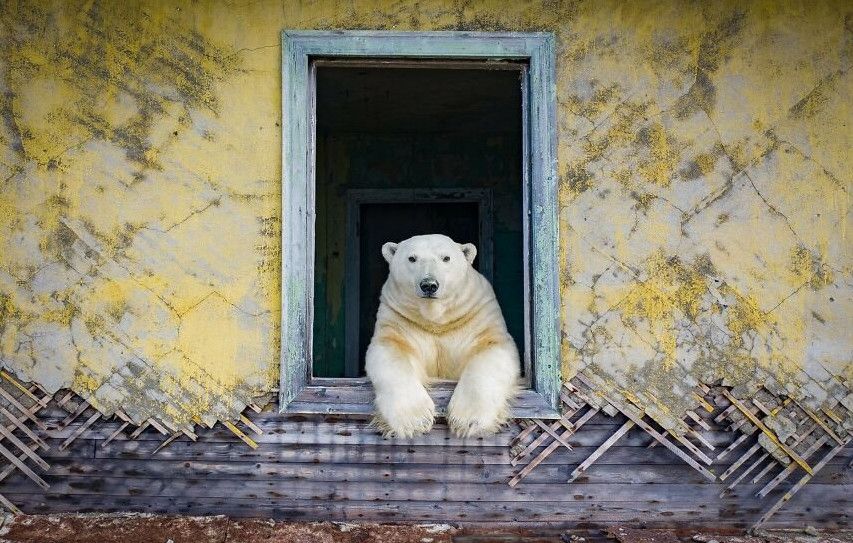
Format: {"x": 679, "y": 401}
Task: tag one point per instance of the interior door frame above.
{"x": 298, "y": 391}
{"x": 355, "y": 198}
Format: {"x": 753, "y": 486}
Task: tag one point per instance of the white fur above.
{"x": 460, "y": 334}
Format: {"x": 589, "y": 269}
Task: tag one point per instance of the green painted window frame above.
{"x": 299, "y": 392}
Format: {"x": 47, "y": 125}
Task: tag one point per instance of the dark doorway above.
{"x": 422, "y": 129}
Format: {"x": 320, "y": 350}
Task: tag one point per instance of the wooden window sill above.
{"x": 355, "y": 397}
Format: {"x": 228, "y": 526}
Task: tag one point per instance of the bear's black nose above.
{"x": 429, "y": 286}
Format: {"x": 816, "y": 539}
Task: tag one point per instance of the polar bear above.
{"x": 438, "y": 318}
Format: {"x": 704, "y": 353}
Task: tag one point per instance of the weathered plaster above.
{"x": 705, "y": 181}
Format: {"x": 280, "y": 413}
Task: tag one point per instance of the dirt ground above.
{"x": 135, "y": 528}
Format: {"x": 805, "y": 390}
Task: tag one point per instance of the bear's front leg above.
{"x": 403, "y": 405}
{"x": 480, "y": 403}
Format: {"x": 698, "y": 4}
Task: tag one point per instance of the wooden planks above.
{"x": 322, "y": 468}
{"x": 515, "y": 513}
{"x": 751, "y": 425}
{"x": 339, "y": 489}
{"x": 321, "y": 500}
{"x": 435, "y": 490}
{"x": 578, "y": 397}
{"x": 246, "y": 470}
{"x": 802, "y": 445}
{"x": 796, "y": 457}
{"x": 586, "y": 464}
{"x": 801, "y": 483}
{"x": 551, "y": 436}
{"x": 58, "y": 417}
{"x": 20, "y": 406}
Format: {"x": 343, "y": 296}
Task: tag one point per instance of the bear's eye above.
{"x": 446, "y": 259}
{"x": 413, "y": 258}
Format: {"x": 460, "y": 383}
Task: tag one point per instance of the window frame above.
{"x": 299, "y": 392}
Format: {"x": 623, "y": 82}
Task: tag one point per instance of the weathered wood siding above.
{"x": 310, "y": 468}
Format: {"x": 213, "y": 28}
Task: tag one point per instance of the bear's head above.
{"x": 430, "y": 266}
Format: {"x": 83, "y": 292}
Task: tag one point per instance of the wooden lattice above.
{"x": 21, "y": 405}
{"x": 28, "y": 410}
{"x": 551, "y": 435}
{"x": 581, "y": 402}
{"x": 786, "y": 443}
{"x": 801, "y": 442}
{"x": 786, "y": 437}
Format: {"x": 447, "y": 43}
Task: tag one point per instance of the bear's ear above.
{"x": 388, "y": 250}
{"x": 469, "y": 251}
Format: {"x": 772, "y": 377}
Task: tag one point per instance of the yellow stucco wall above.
{"x": 705, "y": 181}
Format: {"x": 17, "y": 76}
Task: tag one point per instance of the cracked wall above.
{"x": 705, "y": 179}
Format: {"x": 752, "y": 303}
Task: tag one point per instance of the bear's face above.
{"x": 429, "y": 267}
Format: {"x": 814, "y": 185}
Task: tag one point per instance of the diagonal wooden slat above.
{"x": 800, "y": 484}
{"x": 11, "y": 507}
{"x": 251, "y": 425}
{"x": 74, "y": 406}
{"x": 581, "y": 392}
{"x": 550, "y": 432}
{"x": 748, "y": 470}
{"x": 761, "y": 407}
{"x": 23, "y": 447}
{"x": 797, "y": 439}
{"x": 23, "y": 428}
{"x": 564, "y": 421}
{"x": 21, "y": 409}
{"x": 772, "y": 436}
{"x": 548, "y": 450}
{"x": 734, "y": 445}
{"x": 115, "y": 434}
{"x": 158, "y": 425}
{"x": 669, "y": 445}
{"x": 596, "y": 454}
{"x": 136, "y": 433}
{"x": 699, "y": 420}
{"x": 23, "y": 467}
{"x": 558, "y": 437}
{"x": 239, "y": 433}
{"x": 694, "y": 434}
{"x": 791, "y": 468}
{"x": 65, "y": 399}
{"x": 9, "y": 469}
{"x": 81, "y": 407}
{"x": 813, "y": 433}
{"x": 536, "y": 443}
{"x": 701, "y": 439}
{"x": 166, "y": 442}
{"x": 760, "y": 475}
{"x": 29, "y": 393}
{"x": 690, "y": 447}
{"x": 821, "y": 423}
{"x": 724, "y": 413}
{"x": 527, "y": 428}
{"x": 737, "y": 463}
{"x": 79, "y": 431}
{"x": 566, "y": 397}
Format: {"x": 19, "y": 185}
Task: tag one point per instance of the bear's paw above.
{"x": 404, "y": 415}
